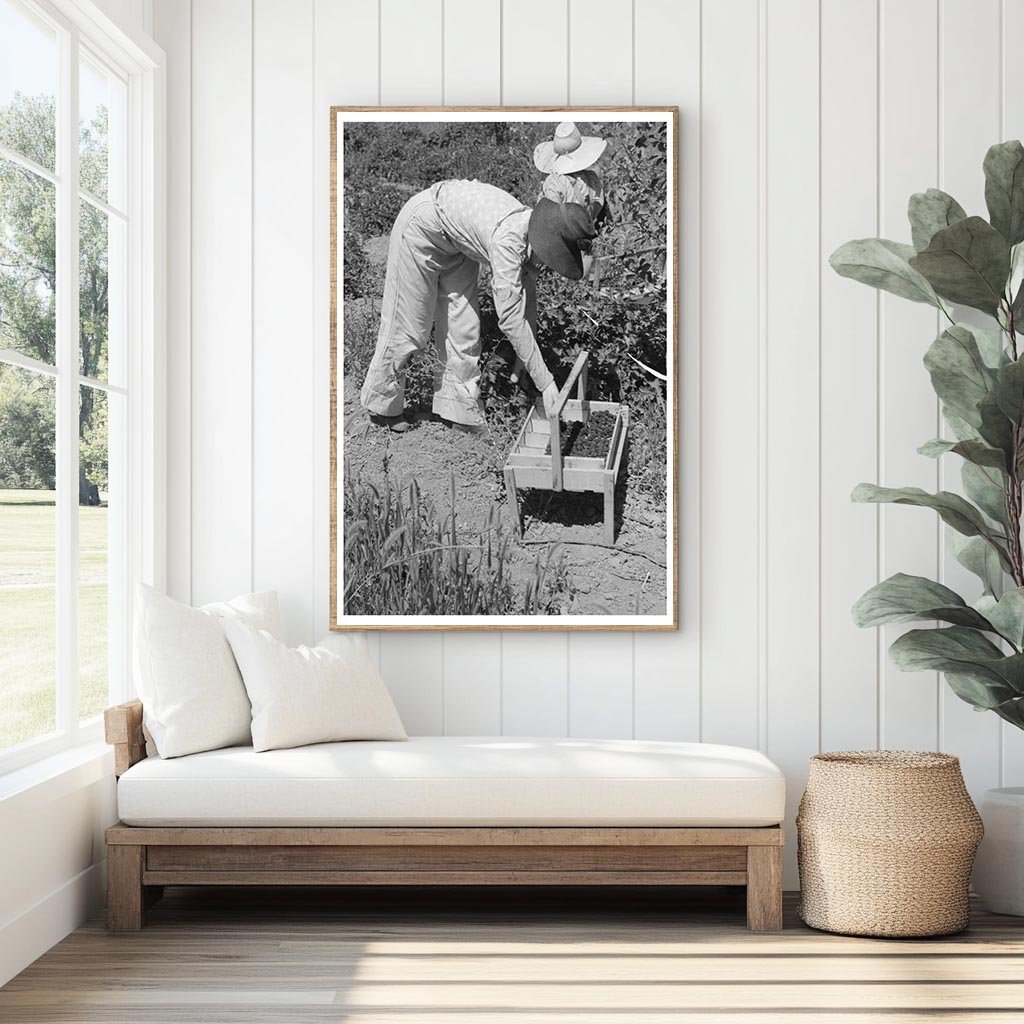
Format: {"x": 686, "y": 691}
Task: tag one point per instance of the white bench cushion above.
{"x": 458, "y": 780}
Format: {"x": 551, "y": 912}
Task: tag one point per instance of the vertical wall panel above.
{"x": 472, "y": 74}
{"x": 730, "y": 191}
{"x": 283, "y": 309}
{"x": 411, "y": 72}
{"x": 535, "y": 699}
{"x": 909, "y": 414}
{"x": 472, "y": 684}
{"x": 535, "y": 70}
{"x": 414, "y": 673}
{"x": 600, "y": 685}
{"x": 792, "y": 385}
{"x": 344, "y": 53}
{"x": 535, "y": 52}
{"x": 373, "y": 645}
{"x": 849, "y": 372}
{"x": 173, "y": 30}
{"x": 969, "y": 124}
{"x": 410, "y": 52}
{"x": 472, "y": 52}
{"x": 221, "y": 371}
{"x": 600, "y": 52}
{"x": 1011, "y": 110}
{"x": 667, "y": 665}
{"x": 601, "y": 72}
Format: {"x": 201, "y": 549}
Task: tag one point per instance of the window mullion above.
{"x": 67, "y": 386}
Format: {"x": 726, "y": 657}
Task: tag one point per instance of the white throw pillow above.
{"x": 309, "y": 694}
{"x": 192, "y": 693}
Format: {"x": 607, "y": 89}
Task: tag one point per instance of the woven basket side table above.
{"x": 886, "y": 841}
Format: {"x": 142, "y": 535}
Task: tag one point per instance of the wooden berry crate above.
{"x": 537, "y": 461}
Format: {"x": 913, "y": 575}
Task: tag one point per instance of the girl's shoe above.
{"x": 396, "y": 424}
{"x": 464, "y": 428}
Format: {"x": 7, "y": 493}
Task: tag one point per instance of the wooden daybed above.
{"x": 183, "y": 849}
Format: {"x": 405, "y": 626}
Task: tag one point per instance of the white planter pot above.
{"x": 999, "y": 867}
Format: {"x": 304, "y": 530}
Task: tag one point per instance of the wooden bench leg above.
{"x": 764, "y": 888}
{"x": 125, "y": 896}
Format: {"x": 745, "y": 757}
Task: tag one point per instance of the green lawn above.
{"x": 28, "y": 524}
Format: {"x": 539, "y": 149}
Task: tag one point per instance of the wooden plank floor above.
{"x": 219, "y": 956}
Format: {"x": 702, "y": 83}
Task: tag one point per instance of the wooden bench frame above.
{"x": 142, "y": 860}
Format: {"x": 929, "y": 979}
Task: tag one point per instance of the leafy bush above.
{"x": 978, "y": 374}
{"x": 359, "y": 326}
{"x": 28, "y": 455}
{"x": 361, "y": 280}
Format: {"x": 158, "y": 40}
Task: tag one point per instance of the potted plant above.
{"x": 977, "y": 372}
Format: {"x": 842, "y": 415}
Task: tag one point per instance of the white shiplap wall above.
{"x": 804, "y": 123}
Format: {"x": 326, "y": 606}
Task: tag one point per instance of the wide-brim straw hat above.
{"x": 555, "y": 232}
{"x": 568, "y": 151}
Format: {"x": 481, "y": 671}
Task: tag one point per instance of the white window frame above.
{"x": 140, "y": 63}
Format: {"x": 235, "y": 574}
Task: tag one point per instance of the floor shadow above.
{"x": 242, "y": 906}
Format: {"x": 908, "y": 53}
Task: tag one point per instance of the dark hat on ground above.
{"x": 555, "y": 233}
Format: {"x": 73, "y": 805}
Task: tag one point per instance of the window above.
{"x": 76, "y": 339}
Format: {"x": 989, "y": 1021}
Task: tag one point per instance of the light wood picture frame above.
{"x": 493, "y": 506}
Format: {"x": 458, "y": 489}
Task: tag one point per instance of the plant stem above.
{"x": 1011, "y": 331}
{"x": 1013, "y": 482}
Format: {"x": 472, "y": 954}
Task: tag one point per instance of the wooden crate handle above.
{"x": 578, "y": 371}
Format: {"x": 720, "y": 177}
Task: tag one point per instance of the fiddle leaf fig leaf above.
{"x": 963, "y": 652}
{"x": 929, "y": 212}
{"x": 922, "y": 650}
{"x": 967, "y": 263}
{"x": 1014, "y": 285}
{"x": 1017, "y": 309}
{"x": 883, "y": 264}
{"x": 903, "y": 598}
{"x": 973, "y": 451}
{"x": 936, "y": 447}
{"x": 996, "y": 428}
{"x": 952, "y": 509}
{"x": 982, "y": 694}
{"x": 1011, "y": 711}
{"x": 977, "y": 556}
{"x": 958, "y": 371}
{"x": 962, "y": 430}
{"x": 984, "y": 486}
{"x": 1006, "y": 614}
{"x": 1004, "y": 189}
{"x": 990, "y": 345}
{"x": 1009, "y": 390}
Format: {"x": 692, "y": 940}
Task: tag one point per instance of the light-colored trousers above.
{"x": 429, "y": 284}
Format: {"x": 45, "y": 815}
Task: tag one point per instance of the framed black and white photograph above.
{"x": 503, "y": 368}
